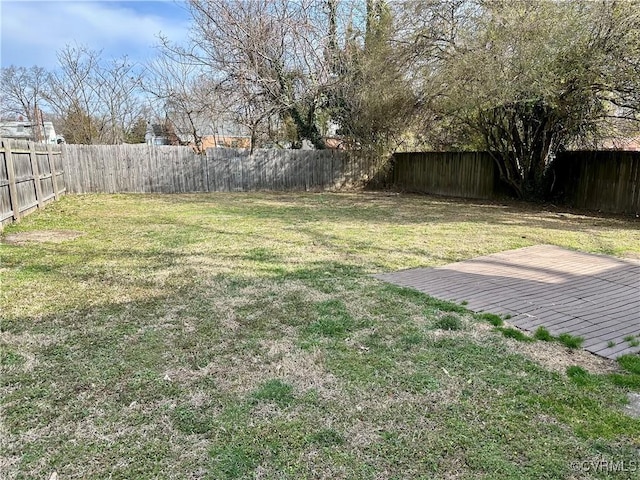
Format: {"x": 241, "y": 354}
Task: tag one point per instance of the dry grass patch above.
{"x": 558, "y": 358}
{"x": 279, "y": 359}
{"x": 41, "y": 236}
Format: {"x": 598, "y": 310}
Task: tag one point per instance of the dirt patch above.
{"x": 633, "y": 409}
{"x": 558, "y": 358}
{"x": 41, "y": 236}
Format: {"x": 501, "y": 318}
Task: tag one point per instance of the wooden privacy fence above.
{"x": 597, "y": 180}
{"x": 175, "y": 169}
{"x": 600, "y": 180}
{"x": 31, "y": 175}
{"x": 456, "y": 174}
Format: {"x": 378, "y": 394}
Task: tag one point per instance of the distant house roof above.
{"x": 335, "y": 143}
{"x": 219, "y": 141}
{"x": 222, "y": 128}
{"x": 21, "y": 130}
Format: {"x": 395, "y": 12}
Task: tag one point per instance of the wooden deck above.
{"x": 592, "y": 296}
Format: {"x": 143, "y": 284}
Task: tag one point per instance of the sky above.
{"x": 32, "y": 31}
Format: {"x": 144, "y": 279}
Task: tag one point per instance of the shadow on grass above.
{"x": 404, "y": 209}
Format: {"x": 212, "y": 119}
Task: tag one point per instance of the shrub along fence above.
{"x": 176, "y": 169}
{"x": 31, "y": 175}
{"x": 597, "y": 180}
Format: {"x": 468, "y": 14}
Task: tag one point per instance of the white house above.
{"x": 21, "y": 130}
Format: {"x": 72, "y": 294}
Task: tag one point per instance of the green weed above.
{"x": 448, "y": 322}
{"x": 516, "y": 334}
{"x": 543, "y": 334}
{"x": 570, "y": 341}
{"x": 493, "y": 319}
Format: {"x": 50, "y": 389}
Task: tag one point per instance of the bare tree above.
{"x": 245, "y": 110}
{"x": 99, "y": 101}
{"x": 118, "y": 84}
{"x": 21, "y": 91}
{"x": 287, "y": 70}
{"x": 182, "y": 94}
{"x": 73, "y": 94}
{"x": 270, "y": 52}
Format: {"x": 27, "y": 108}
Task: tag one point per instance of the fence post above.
{"x": 52, "y": 167}
{"x": 35, "y": 169}
{"x": 11, "y": 174}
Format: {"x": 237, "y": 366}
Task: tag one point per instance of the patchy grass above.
{"x": 570, "y": 341}
{"x": 242, "y": 336}
{"x": 578, "y": 375}
{"x": 516, "y": 334}
{"x": 449, "y": 322}
{"x": 543, "y": 334}
{"x": 492, "y": 318}
{"x": 631, "y": 363}
{"x": 275, "y": 391}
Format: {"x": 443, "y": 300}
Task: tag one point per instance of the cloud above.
{"x": 32, "y": 31}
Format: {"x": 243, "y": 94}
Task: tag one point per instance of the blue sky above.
{"x": 32, "y": 31}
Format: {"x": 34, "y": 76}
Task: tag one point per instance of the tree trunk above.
{"x": 523, "y": 145}
{"x": 307, "y": 128}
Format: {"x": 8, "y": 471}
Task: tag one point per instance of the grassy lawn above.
{"x": 242, "y": 336}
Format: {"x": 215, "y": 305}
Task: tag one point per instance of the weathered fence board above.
{"x": 237, "y": 170}
{"x": 600, "y": 180}
{"x": 173, "y": 169}
{"x": 458, "y": 174}
{"x": 607, "y": 181}
{"x": 597, "y": 180}
{"x": 30, "y": 177}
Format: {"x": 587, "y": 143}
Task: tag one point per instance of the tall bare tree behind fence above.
{"x": 169, "y": 169}
{"x": 31, "y": 175}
